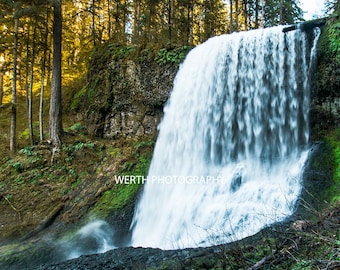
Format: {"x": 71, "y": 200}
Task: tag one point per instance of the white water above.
{"x": 94, "y": 237}
{"x": 238, "y": 115}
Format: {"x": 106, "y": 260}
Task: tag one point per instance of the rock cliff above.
{"x": 126, "y": 93}
{"x": 127, "y": 87}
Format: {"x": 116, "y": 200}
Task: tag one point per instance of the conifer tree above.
{"x": 55, "y": 125}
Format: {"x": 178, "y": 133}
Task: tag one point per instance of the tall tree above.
{"x": 170, "y": 20}
{"x": 30, "y": 104}
{"x": 231, "y": 19}
{"x": 43, "y": 68}
{"x": 55, "y": 125}
{"x": 236, "y": 15}
{"x": 257, "y": 8}
{"x": 13, "y": 147}
{"x": 1, "y": 78}
{"x": 281, "y": 12}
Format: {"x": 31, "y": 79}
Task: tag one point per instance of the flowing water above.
{"x": 233, "y": 141}
{"x": 95, "y": 237}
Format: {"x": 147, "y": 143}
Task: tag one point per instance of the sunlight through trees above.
{"x": 28, "y": 41}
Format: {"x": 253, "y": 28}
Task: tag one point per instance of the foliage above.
{"x": 176, "y": 55}
{"x": 328, "y": 64}
{"x": 77, "y": 127}
{"x": 24, "y": 134}
{"x": 334, "y": 39}
{"x": 28, "y": 151}
{"x": 120, "y": 52}
{"x": 136, "y": 25}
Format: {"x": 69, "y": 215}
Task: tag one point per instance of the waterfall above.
{"x": 232, "y": 144}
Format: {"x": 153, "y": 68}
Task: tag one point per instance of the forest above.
{"x": 47, "y": 45}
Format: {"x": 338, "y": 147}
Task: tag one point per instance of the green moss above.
{"x": 116, "y": 199}
{"x": 333, "y": 140}
{"x": 128, "y": 179}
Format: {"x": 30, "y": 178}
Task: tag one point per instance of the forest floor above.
{"x": 41, "y": 199}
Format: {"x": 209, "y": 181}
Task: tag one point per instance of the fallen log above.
{"x": 306, "y": 26}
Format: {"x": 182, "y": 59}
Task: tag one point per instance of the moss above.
{"x": 129, "y": 177}
{"x": 113, "y": 151}
{"x": 115, "y": 199}
{"x": 333, "y": 140}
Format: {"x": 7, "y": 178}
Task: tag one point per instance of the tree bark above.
{"x": 94, "y": 23}
{"x": 13, "y": 147}
{"x": 1, "y": 85}
{"x": 42, "y": 88}
{"x": 245, "y": 15}
{"x": 170, "y": 18}
{"x": 236, "y": 15}
{"x": 108, "y": 19}
{"x": 231, "y": 17}
{"x": 30, "y": 99}
{"x": 281, "y": 12}
{"x": 27, "y": 63}
{"x": 257, "y": 14}
{"x": 55, "y": 125}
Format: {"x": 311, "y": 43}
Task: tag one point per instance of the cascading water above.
{"x": 94, "y": 237}
{"x": 232, "y": 143}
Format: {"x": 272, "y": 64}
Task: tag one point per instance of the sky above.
{"x": 313, "y": 8}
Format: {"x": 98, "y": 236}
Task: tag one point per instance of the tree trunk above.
{"x": 236, "y": 15}
{"x": 189, "y": 25}
{"x": 27, "y": 63}
{"x": 30, "y": 109}
{"x": 13, "y": 147}
{"x": 245, "y": 15}
{"x": 231, "y": 17}
{"x": 93, "y": 24}
{"x": 1, "y": 86}
{"x": 170, "y": 18}
{"x": 43, "y": 64}
{"x": 281, "y": 12}
{"x": 256, "y": 14}
{"x": 55, "y": 124}
{"x": 108, "y": 19}
{"x": 136, "y": 20}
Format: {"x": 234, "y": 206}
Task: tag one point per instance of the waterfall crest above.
{"x": 232, "y": 144}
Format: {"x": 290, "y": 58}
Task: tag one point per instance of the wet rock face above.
{"x": 132, "y": 122}
{"x": 127, "y": 98}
